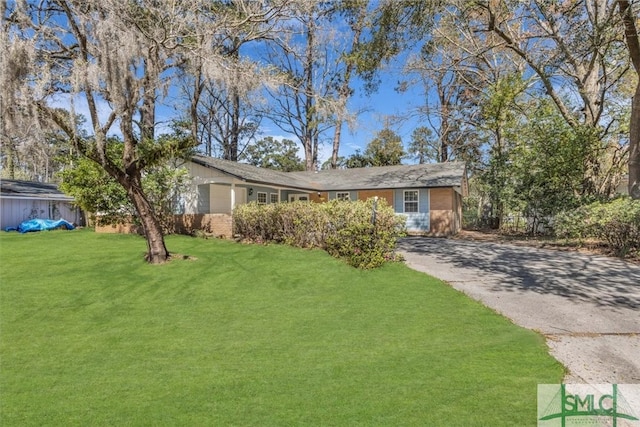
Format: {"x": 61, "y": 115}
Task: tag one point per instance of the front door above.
{"x": 298, "y": 197}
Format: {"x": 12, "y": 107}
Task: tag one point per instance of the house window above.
{"x": 411, "y": 201}
{"x": 273, "y": 198}
{"x": 262, "y": 198}
{"x": 343, "y": 196}
{"x": 298, "y": 197}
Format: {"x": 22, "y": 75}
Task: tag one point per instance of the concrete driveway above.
{"x": 587, "y": 306}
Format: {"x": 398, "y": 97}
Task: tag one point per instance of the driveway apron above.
{"x": 587, "y": 306}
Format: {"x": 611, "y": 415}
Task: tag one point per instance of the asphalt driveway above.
{"x": 587, "y": 306}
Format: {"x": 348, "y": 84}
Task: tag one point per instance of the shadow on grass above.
{"x": 596, "y": 279}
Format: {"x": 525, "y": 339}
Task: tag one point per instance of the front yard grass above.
{"x": 248, "y": 335}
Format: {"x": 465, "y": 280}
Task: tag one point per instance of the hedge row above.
{"x": 344, "y": 229}
{"x": 617, "y": 223}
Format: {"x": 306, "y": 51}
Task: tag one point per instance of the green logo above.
{"x": 588, "y": 404}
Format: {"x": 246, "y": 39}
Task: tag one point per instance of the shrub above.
{"x": 572, "y": 224}
{"x": 297, "y": 224}
{"x": 363, "y": 245}
{"x": 344, "y": 229}
{"x": 356, "y": 239}
{"x": 616, "y": 222}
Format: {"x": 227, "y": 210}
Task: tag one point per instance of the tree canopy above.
{"x": 385, "y": 149}
{"x": 503, "y": 84}
{"x": 275, "y": 154}
{"x": 121, "y": 60}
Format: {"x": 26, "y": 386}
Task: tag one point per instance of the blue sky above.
{"x": 376, "y": 108}
{"x": 386, "y": 103}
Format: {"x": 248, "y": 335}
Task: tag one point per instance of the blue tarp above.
{"x": 41, "y": 225}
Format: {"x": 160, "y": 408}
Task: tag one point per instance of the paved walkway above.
{"x": 587, "y": 306}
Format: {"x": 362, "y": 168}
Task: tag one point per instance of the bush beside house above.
{"x": 353, "y": 231}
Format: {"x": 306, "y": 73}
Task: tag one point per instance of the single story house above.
{"x": 429, "y": 195}
{"x": 25, "y": 200}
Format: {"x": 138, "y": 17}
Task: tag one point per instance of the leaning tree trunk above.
{"x": 156, "y": 249}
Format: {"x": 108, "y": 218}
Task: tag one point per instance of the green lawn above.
{"x": 247, "y": 335}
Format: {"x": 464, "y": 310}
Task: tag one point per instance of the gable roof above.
{"x": 252, "y": 173}
{"x": 380, "y": 177}
{"x": 388, "y": 177}
{"x": 13, "y": 188}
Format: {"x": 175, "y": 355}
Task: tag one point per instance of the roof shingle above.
{"x": 382, "y": 177}
{"x": 14, "y": 187}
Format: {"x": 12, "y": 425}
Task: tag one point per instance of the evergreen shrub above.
{"x": 344, "y": 229}
{"x": 617, "y": 223}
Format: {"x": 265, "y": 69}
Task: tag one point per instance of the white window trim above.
{"x": 346, "y": 193}
{"x": 258, "y": 197}
{"x": 405, "y": 201}
{"x": 296, "y": 197}
{"x": 271, "y": 198}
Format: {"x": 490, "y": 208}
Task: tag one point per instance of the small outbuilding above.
{"x": 24, "y": 200}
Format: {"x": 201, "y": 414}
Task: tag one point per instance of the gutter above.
{"x": 201, "y": 163}
{"x": 38, "y": 197}
{"x": 243, "y": 179}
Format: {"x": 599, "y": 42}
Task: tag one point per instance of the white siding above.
{"x": 14, "y": 211}
{"x": 241, "y": 196}
{"x": 220, "y": 197}
{"x": 202, "y": 196}
{"x": 198, "y": 172}
{"x": 204, "y": 203}
{"x": 217, "y": 198}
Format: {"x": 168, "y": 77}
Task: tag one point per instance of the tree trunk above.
{"x": 634, "y": 146}
{"x": 633, "y": 43}
{"x": 337, "y": 134}
{"x": 198, "y": 87}
{"x": 148, "y": 107}
{"x": 309, "y": 108}
{"x": 315, "y": 152}
{"x": 11, "y": 159}
{"x": 157, "y": 252}
{"x": 308, "y": 153}
{"x": 235, "y": 125}
{"x": 443, "y": 149}
{"x": 345, "y": 91}
{"x": 234, "y": 94}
